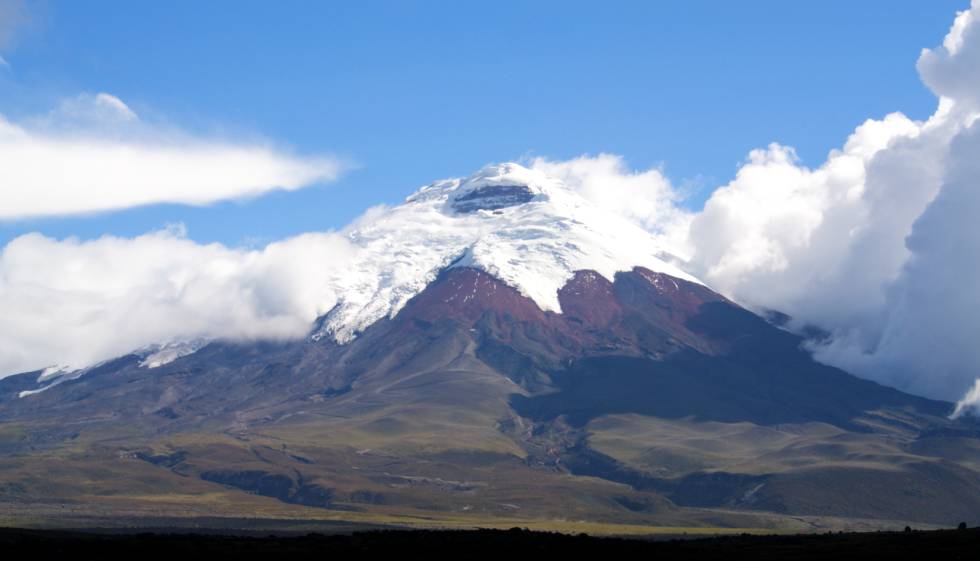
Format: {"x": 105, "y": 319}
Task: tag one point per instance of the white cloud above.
{"x": 85, "y": 112}
{"x": 3, "y": 62}
{"x": 93, "y": 153}
{"x": 925, "y": 338}
{"x": 879, "y": 244}
{"x": 75, "y": 303}
{"x": 970, "y": 403}
{"x": 953, "y": 41}
{"x": 818, "y": 243}
{"x": 646, "y": 197}
{"x": 953, "y": 69}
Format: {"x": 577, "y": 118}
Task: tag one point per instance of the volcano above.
{"x": 501, "y": 350}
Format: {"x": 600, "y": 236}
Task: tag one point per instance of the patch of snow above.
{"x": 54, "y": 375}
{"x": 152, "y": 356}
{"x": 158, "y": 355}
{"x": 27, "y": 393}
{"x": 53, "y": 372}
{"x": 517, "y": 224}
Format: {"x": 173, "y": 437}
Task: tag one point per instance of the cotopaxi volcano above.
{"x": 501, "y": 349}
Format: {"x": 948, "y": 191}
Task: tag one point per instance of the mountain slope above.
{"x": 630, "y": 394}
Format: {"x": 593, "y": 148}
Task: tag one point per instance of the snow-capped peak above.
{"x": 511, "y": 180}
{"x": 515, "y": 223}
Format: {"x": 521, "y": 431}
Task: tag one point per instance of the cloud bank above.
{"x": 94, "y": 153}
{"x": 879, "y": 245}
{"x": 645, "y": 197}
{"x": 73, "y": 303}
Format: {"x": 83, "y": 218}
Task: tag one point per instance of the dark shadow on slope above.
{"x": 690, "y": 384}
{"x": 763, "y": 377}
{"x": 274, "y": 485}
{"x": 701, "y": 489}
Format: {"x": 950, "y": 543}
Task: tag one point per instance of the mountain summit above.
{"x": 514, "y": 223}
{"x": 501, "y": 349}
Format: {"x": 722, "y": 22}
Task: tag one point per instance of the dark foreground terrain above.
{"x": 937, "y": 544}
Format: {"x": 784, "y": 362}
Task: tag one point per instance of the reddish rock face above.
{"x": 644, "y": 342}
{"x": 465, "y": 295}
{"x": 487, "y": 308}
{"x": 671, "y": 305}
{"x": 640, "y": 313}
{"x": 590, "y": 299}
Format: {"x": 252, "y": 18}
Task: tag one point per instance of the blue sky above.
{"x": 414, "y": 91}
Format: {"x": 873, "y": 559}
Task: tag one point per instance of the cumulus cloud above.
{"x": 926, "y": 341}
{"x": 74, "y": 303}
{"x": 646, "y": 197}
{"x": 953, "y": 69}
{"x": 93, "y": 153}
{"x": 878, "y": 245}
{"x": 819, "y": 243}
